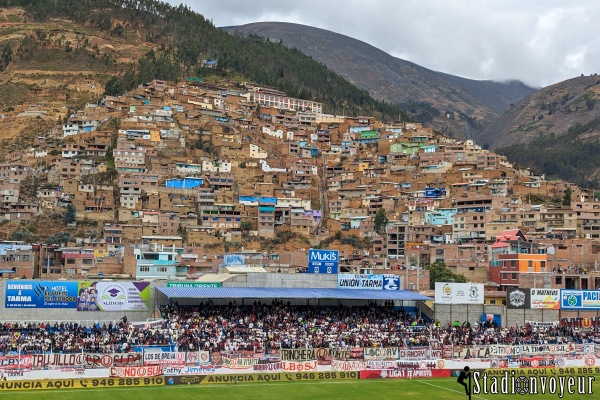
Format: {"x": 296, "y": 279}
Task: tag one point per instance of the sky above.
{"x": 539, "y": 42}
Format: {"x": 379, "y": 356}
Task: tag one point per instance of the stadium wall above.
{"x": 286, "y": 281}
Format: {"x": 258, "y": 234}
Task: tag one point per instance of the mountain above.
{"x": 427, "y": 94}
{"x": 555, "y": 130}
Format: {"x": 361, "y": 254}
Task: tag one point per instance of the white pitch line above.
{"x": 452, "y": 390}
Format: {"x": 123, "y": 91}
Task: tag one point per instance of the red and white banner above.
{"x": 16, "y": 362}
{"x": 99, "y": 360}
{"x": 136, "y": 372}
{"x": 347, "y": 365}
{"x": 404, "y": 373}
{"x": 299, "y": 366}
{"x": 158, "y": 357}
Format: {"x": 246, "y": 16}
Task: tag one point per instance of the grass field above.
{"x": 404, "y": 389}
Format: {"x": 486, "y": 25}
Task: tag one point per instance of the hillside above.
{"x": 555, "y": 130}
{"x": 428, "y": 95}
{"x": 138, "y": 41}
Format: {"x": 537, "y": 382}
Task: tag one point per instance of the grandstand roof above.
{"x": 288, "y": 293}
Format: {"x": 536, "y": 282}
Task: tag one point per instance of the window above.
{"x": 70, "y": 261}
{"x": 514, "y": 276}
{"x": 530, "y": 265}
{"x": 558, "y": 280}
{"x": 70, "y": 271}
{"x": 162, "y": 269}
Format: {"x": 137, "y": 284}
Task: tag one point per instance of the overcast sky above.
{"x": 539, "y": 42}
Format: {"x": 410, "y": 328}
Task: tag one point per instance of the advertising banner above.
{"x": 136, "y": 372}
{"x": 369, "y": 281}
{"x": 323, "y": 261}
{"x": 579, "y": 299}
{"x": 252, "y": 378}
{"x": 188, "y": 370}
{"x": 354, "y": 281}
{"x": 79, "y": 383}
{"x": 193, "y": 284}
{"x": 113, "y": 296}
{"x": 545, "y": 299}
{"x": 517, "y": 298}
{"x": 458, "y": 293}
{"x": 404, "y": 373}
{"x": 40, "y": 294}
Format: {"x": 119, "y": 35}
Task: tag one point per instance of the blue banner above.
{"x": 572, "y": 299}
{"x": 323, "y": 261}
{"x": 40, "y": 294}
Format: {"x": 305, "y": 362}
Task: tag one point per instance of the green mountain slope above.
{"x": 180, "y": 39}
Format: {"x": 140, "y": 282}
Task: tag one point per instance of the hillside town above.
{"x": 166, "y": 179}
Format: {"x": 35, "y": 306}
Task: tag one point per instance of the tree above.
{"x": 70, "y": 214}
{"x": 381, "y": 220}
{"x": 61, "y": 238}
{"x": 567, "y": 198}
{"x": 245, "y": 226}
{"x": 438, "y": 272}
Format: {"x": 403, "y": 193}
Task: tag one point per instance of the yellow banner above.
{"x": 275, "y": 377}
{"x": 565, "y": 371}
{"x": 79, "y": 383}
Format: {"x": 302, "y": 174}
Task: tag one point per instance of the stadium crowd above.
{"x": 257, "y": 327}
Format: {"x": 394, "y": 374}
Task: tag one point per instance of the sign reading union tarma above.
{"x": 369, "y": 281}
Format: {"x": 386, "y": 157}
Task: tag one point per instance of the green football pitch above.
{"x": 403, "y": 389}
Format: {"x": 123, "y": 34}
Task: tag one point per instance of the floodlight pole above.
{"x": 470, "y": 387}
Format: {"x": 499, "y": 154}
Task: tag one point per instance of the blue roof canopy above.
{"x": 288, "y": 293}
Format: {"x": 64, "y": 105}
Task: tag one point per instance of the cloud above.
{"x": 538, "y": 42}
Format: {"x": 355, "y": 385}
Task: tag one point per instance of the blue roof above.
{"x": 288, "y": 293}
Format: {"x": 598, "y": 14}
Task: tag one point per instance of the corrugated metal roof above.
{"x": 288, "y": 293}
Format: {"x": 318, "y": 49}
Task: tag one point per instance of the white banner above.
{"x": 545, "y": 299}
{"x": 537, "y": 324}
{"x": 381, "y": 353}
{"x": 158, "y": 357}
{"x": 353, "y": 281}
{"x": 540, "y": 349}
{"x": 458, "y": 293}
